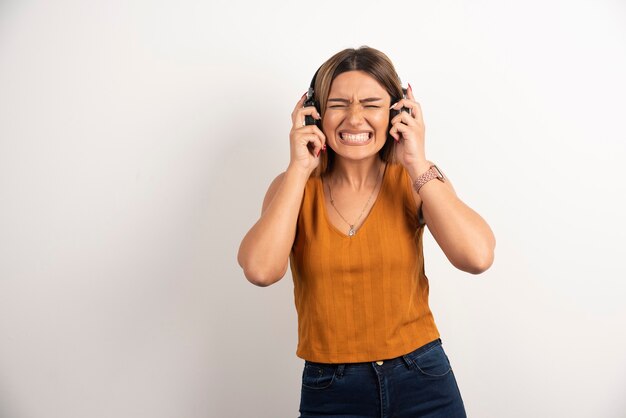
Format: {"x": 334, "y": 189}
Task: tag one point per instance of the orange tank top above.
{"x": 365, "y": 297}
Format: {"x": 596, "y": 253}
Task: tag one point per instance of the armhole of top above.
{"x": 417, "y": 212}
{"x": 420, "y": 217}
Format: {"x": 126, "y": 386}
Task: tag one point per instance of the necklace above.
{"x": 352, "y": 230}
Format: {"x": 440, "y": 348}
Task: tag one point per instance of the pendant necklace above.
{"x": 352, "y": 229}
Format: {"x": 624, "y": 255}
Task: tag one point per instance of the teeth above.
{"x": 355, "y": 137}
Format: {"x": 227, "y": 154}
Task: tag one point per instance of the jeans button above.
{"x": 380, "y": 362}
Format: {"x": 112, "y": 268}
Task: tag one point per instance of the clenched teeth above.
{"x": 355, "y": 137}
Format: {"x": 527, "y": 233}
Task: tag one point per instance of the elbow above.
{"x": 259, "y": 279}
{"x": 480, "y": 265}
{"x": 478, "y": 262}
{"x": 260, "y": 275}
{"x": 483, "y": 256}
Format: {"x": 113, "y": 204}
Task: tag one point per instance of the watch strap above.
{"x": 432, "y": 173}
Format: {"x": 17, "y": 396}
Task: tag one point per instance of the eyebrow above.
{"x": 368, "y": 100}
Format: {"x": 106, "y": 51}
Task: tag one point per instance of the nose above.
{"x": 355, "y": 114}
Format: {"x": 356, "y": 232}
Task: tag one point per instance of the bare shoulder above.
{"x": 271, "y": 190}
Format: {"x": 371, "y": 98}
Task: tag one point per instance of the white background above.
{"x": 137, "y": 139}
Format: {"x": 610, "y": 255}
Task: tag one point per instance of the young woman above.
{"x": 349, "y": 213}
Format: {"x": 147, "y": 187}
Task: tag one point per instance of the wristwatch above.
{"x": 433, "y": 173}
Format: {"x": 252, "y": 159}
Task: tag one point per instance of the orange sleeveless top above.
{"x": 365, "y": 297}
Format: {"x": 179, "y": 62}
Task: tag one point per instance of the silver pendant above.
{"x": 351, "y": 232}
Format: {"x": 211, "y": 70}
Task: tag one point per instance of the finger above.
{"x": 310, "y": 136}
{"x": 394, "y": 133}
{"x": 416, "y": 110}
{"x": 405, "y": 118}
{"x": 398, "y": 130}
{"x": 314, "y": 144}
{"x": 409, "y": 93}
{"x": 312, "y": 129}
{"x": 298, "y": 105}
{"x": 297, "y": 118}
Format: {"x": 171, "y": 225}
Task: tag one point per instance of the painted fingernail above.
{"x": 318, "y": 152}
{"x": 410, "y": 88}
{"x": 324, "y": 148}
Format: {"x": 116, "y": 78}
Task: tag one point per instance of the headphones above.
{"x": 312, "y": 101}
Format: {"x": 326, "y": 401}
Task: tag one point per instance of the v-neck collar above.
{"x": 364, "y": 223}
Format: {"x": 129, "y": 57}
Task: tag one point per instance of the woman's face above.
{"x": 357, "y": 115}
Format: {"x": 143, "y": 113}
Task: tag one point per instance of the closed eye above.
{"x": 343, "y": 106}
{"x": 343, "y": 102}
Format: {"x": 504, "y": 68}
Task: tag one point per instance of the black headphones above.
{"x": 312, "y": 101}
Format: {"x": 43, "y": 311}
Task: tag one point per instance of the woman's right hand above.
{"x": 306, "y": 141}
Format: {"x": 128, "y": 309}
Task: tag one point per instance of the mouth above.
{"x": 355, "y": 138}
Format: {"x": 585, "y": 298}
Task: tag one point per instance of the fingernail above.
{"x": 324, "y": 148}
{"x": 410, "y": 88}
{"x": 393, "y": 105}
{"x": 318, "y": 152}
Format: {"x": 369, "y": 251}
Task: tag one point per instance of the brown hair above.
{"x": 374, "y": 63}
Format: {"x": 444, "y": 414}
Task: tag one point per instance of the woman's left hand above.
{"x": 408, "y": 130}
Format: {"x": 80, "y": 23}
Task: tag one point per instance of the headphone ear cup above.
{"x": 318, "y": 122}
{"x": 392, "y": 114}
{"x": 310, "y": 120}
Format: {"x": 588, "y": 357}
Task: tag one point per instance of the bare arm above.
{"x": 264, "y": 251}
{"x": 463, "y": 235}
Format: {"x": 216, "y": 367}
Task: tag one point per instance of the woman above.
{"x": 349, "y": 213}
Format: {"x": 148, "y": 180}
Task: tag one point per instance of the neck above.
{"x": 356, "y": 174}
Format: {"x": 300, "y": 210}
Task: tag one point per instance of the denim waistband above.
{"x": 405, "y": 359}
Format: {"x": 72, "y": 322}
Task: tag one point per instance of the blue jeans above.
{"x": 418, "y": 384}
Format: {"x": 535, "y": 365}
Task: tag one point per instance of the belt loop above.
{"x": 409, "y": 363}
{"x": 340, "y": 370}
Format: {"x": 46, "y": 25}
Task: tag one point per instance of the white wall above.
{"x": 137, "y": 139}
